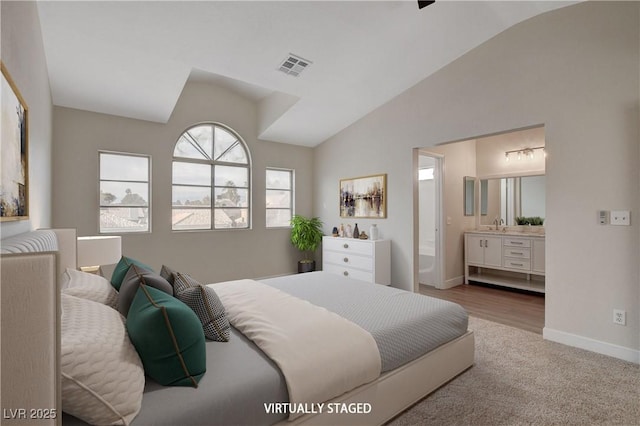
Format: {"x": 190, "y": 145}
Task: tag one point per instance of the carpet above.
{"x": 520, "y": 379}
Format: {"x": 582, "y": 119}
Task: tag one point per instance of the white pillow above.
{"x": 102, "y": 375}
{"x": 89, "y": 286}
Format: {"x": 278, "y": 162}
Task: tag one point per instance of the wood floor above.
{"x": 516, "y": 309}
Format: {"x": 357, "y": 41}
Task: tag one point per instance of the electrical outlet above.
{"x": 620, "y": 217}
{"x": 619, "y": 317}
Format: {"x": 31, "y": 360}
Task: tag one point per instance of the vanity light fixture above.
{"x": 526, "y": 152}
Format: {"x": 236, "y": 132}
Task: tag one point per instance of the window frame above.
{"x": 292, "y": 181}
{"x": 148, "y": 182}
{"x": 212, "y": 184}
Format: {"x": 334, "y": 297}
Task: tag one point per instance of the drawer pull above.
{"x": 345, "y": 273}
{"x": 516, "y": 243}
{"x": 516, "y": 264}
{"x": 346, "y": 259}
{"x": 517, "y": 252}
{"x": 346, "y": 245}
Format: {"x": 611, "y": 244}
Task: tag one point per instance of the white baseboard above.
{"x": 452, "y": 282}
{"x": 616, "y": 351}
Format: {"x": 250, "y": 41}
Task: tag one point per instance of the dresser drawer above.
{"x": 348, "y": 245}
{"x": 522, "y": 264}
{"x": 349, "y": 259}
{"x": 516, "y": 242}
{"x": 521, "y": 253}
{"x": 348, "y": 272}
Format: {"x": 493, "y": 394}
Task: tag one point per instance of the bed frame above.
{"x": 30, "y": 327}
{"x": 396, "y": 390}
{"x": 31, "y": 352}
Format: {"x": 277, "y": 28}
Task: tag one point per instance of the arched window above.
{"x": 211, "y": 179}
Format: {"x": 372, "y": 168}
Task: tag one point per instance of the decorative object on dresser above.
{"x": 364, "y": 197}
{"x": 94, "y": 251}
{"x": 373, "y": 232}
{"x": 513, "y": 260}
{"x": 306, "y": 235}
{"x": 364, "y": 260}
{"x": 356, "y": 232}
{"x": 14, "y": 183}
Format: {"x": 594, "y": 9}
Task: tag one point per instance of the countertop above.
{"x": 509, "y": 232}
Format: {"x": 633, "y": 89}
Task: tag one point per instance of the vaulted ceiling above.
{"x": 132, "y": 59}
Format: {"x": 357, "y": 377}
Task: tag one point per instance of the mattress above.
{"x": 240, "y": 379}
{"x": 404, "y": 325}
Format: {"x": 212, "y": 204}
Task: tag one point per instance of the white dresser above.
{"x": 364, "y": 260}
{"x": 508, "y": 259}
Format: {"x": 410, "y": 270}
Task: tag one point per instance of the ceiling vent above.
{"x": 294, "y": 65}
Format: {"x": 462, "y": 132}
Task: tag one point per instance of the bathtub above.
{"x": 426, "y": 263}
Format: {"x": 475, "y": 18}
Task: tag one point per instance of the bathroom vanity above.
{"x": 505, "y": 258}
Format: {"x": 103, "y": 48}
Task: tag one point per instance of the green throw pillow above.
{"x": 168, "y": 337}
{"x": 121, "y": 270}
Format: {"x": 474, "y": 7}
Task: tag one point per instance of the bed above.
{"x": 422, "y": 342}
{"x": 29, "y": 328}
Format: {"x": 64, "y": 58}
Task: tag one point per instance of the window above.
{"x": 124, "y": 192}
{"x": 425, "y": 173}
{"x": 279, "y": 197}
{"x": 211, "y": 176}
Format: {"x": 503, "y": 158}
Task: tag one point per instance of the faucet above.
{"x": 498, "y": 222}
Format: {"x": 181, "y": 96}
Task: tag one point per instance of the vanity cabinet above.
{"x": 484, "y": 250}
{"x": 364, "y": 260}
{"x": 538, "y": 255}
{"x": 510, "y": 260}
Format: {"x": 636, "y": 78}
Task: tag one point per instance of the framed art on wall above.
{"x": 364, "y": 197}
{"x": 14, "y": 170}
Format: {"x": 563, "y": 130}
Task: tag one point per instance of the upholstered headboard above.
{"x": 31, "y": 266}
{"x": 61, "y": 241}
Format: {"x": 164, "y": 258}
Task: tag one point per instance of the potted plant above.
{"x": 532, "y": 221}
{"x": 306, "y": 235}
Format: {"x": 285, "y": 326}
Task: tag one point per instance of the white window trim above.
{"x": 149, "y": 203}
{"x": 292, "y": 202}
{"x": 213, "y": 163}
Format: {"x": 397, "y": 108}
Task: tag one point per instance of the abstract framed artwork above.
{"x": 364, "y": 197}
{"x": 14, "y": 145}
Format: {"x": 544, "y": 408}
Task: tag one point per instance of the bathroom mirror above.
{"x": 510, "y": 197}
{"x": 469, "y": 195}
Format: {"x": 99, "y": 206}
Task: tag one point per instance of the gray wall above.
{"x": 576, "y": 71}
{"x": 23, "y": 56}
{"x": 209, "y": 256}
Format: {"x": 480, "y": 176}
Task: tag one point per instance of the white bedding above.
{"x": 320, "y": 354}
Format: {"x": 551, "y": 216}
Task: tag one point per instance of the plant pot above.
{"x": 306, "y": 266}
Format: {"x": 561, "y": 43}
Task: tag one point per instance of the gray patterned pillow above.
{"x": 135, "y": 276}
{"x": 205, "y": 303}
{"x": 168, "y": 274}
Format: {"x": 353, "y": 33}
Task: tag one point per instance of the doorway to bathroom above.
{"x": 430, "y": 230}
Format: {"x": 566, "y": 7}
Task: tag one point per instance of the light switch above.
{"x": 620, "y": 217}
{"x": 603, "y": 217}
